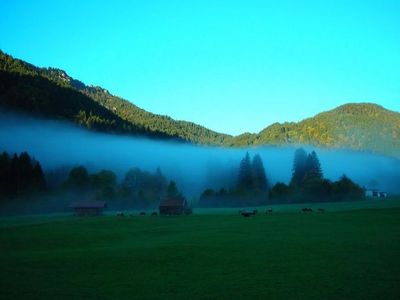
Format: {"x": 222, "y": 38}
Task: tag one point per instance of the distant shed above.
{"x": 173, "y": 206}
{"x": 376, "y": 194}
{"x": 88, "y": 208}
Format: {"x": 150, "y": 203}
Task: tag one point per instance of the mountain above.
{"x": 51, "y": 93}
{"x": 357, "y": 126}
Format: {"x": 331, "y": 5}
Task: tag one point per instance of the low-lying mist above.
{"x": 56, "y": 144}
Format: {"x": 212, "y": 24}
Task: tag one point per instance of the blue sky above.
{"x": 232, "y": 66}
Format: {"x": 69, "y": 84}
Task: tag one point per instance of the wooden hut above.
{"x": 88, "y": 208}
{"x": 173, "y": 206}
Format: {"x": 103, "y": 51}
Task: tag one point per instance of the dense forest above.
{"x": 51, "y": 93}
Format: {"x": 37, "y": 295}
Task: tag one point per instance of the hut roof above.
{"x": 173, "y": 201}
{"x": 88, "y": 204}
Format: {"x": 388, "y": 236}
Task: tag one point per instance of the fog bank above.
{"x": 56, "y": 144}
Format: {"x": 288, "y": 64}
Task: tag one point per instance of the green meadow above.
{"x": 352, "y": 251}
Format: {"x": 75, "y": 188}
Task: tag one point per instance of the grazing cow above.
{"x": 142, "y": 213}
{"x": 306, "y": 209}
{"x": 321, "y": 210}
{"x": 269, "y": 211}
{"x": 120, "y": 214}
{"x": 247, "y": 214}
{"x": 154, "y": 214}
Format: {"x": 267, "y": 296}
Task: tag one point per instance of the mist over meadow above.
{"x": 56, "y": 144}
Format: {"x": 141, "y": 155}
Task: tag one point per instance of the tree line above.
{"x": 23, "y": 182}
{"x": 137, "y": 189}
{"x": 307, "y": 184}
{"x": 21, "y": 176}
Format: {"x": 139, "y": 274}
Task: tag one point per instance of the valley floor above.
{"x": 339, "y": 254}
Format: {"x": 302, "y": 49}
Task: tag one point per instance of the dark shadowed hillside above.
{"x": 53, "y": 94}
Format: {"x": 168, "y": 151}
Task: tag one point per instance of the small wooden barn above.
{"x": 173, "y": 206}
{"x": 88, "y": 208}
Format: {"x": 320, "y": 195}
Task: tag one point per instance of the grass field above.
{"x": 350, "y": 252}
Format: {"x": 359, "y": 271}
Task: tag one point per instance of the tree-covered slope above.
{"x": 52, "y": 93}
{"x": 358, "y": 126}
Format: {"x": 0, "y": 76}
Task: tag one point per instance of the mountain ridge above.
{"x": 52, "y": 92}
{"x": 144, "y": 122}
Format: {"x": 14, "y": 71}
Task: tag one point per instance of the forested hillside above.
{"x": 51, "y": 93}
{"x": 362, "y": 126}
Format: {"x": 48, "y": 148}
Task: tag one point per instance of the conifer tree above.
{"x": 259, "y": 177}
{"x": 20, "y": 175}
{"x": 245, "y": 179}
{"x": 161, "y": 182}
{"x": 299, "y": 167}
{"x": 5, "y": 174}
{"x": 313, "y": 166}
{"x": 172, "y": 190}
{"x": 39, "y": 182}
